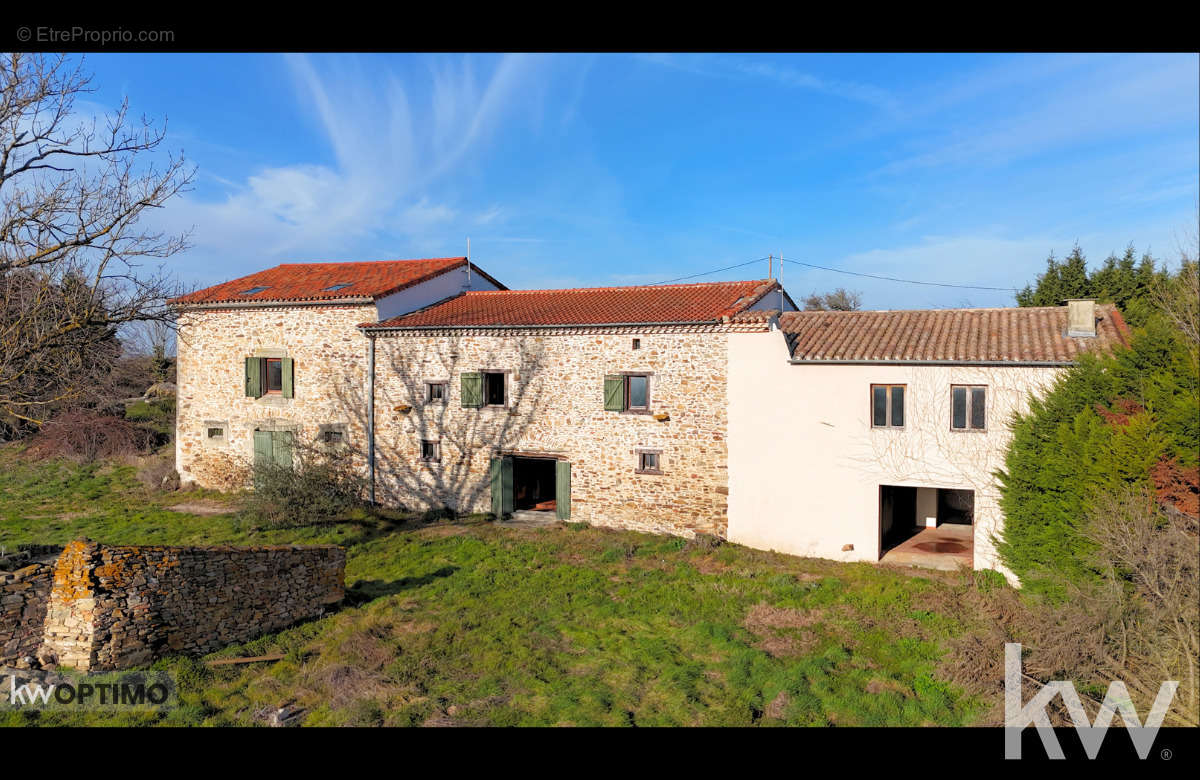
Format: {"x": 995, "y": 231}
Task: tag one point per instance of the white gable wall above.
{"x": 805, "y": 465}
{"x": 430, "y": 291}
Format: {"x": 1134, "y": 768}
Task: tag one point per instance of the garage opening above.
{"x": 533, "y": 487}
{"x": 534, "y": 484}
{"x": 926, "y": 526}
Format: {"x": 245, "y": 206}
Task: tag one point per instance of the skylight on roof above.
{"x": 337, "y": 287}
{"x": 252, "y": 291}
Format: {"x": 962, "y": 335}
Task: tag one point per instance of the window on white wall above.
{"x": 887, "y": 406}
{"x": 968, "y": 407}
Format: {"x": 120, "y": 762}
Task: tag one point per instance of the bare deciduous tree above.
{"x": 72, "y": 192}
{"x": 840, "y": 299}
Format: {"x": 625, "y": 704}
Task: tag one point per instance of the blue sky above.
{"x": 589, "y": 170}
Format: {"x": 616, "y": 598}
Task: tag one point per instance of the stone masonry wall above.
{"x": 556, "y": 408}
{"x": 23, "y": 597}
{"x": 113, "y": 607}
{"x": 329, "y": 355}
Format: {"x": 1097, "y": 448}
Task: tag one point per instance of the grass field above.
{"x": 469, "y": 623}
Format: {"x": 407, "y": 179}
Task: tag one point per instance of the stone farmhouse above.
{"x": 712, "y": 408}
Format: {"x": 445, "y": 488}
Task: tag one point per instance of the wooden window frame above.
{"x": 639, "y": 453}
{"x": 483, "y": 372}
{"x": 967, "y": 415}
{"x": 887, "y": 407}
{"x": 429, "y": 385}
{"x": 637, "y": 344}
{"x": 649, "y": 397}
{"x": 266, "y": 372}
{"x": 436, "y": 444}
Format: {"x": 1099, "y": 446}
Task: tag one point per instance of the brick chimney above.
{"x": 1081, "y": 317}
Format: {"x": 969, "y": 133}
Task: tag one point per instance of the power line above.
{"x": 905, "y": 281}
{"x": 706, "y": 273}
{"x": 841, "y": 271}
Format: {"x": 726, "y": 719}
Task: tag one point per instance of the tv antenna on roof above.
{"x": 468, "y": 262}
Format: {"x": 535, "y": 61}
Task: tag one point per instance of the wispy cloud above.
{"x": 385, "y": 162}
{"x": 745, "y": 66}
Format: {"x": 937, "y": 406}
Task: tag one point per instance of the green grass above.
{"x": 478, "y": 624}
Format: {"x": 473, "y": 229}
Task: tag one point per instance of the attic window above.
{"x": 252, "y": 291}
{"x": 338, "y": 286}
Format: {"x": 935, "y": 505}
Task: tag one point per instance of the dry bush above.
{"x": 157, "y": 472}
{"x": 317, "y": 488}
{"x": 1140, "y": 624}
{"x": 86, "y": 435}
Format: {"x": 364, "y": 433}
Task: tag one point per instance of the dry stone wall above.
{"x": 113, "y": 607}
{"x": 24, "y": 594}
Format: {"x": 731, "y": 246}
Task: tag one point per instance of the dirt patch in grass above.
{"x": 205, "y": 507}
{"x": 783, "y": 632}
{"x": 778, "y": 706}
{"x": 877, "y": 686}
{"x": 709, "y": 564}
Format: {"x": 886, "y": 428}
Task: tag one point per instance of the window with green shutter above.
{"x": 270, "y": 376}
{"x": 471, "y": 393}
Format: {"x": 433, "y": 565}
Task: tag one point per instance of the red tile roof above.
{"x": 1014, "y": 335}
{"x": 310, "y": 281}
{"x": 674, "y": 303}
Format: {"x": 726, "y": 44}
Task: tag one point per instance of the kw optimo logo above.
{"x": 1017, "y": 717}
{"x": 116, "y": 690}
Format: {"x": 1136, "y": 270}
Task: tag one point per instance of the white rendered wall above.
{"x": 805, "y": 465}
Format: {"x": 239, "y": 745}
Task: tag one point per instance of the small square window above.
{"x": 431, "y": 451}
{"x": 637, "y": 343}
{"x": 216, "y": 433}
{"x": 435, "y": 392}
{"x": 649, "y": 461}
{"x": 333, "y": 437}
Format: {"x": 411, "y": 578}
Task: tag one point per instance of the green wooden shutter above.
{"x": 562, "y": 489}
{"x": 285, "y": 366}
{"x": 472, "y": 390}
{"x": 282, "y": 441}
{"x": 263, "y": 448}
{"x": 254, "y": 377}
{"x": 614, "y": 393}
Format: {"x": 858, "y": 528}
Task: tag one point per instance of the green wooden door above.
{"x": 502, "y": 486}
{"x": 264, "y": 448}
{"x": 562, "y": 489}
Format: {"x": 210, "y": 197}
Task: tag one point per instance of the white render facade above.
{"x": 806, "y": 465}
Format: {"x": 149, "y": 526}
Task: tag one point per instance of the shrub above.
{"x": 317, "y": 488}
{"x": 86, "y": 435}
{"x": 158, "y": 472}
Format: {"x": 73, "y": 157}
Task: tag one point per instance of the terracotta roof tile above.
{"x": 677, "y": 303}
{"x": 1017, "y": 335}
{"x": 312, "y": 281}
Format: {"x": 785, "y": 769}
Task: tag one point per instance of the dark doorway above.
{"x": 897, "y": 514}
{"x": 534, "y": 484}
{"x": 956, "y": 506}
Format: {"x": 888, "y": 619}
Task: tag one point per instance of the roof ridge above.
{"x": 370, "y": 262}
{"x": 619, "y": 287}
